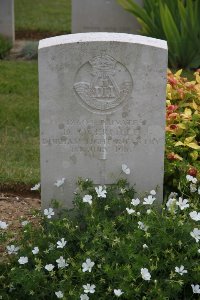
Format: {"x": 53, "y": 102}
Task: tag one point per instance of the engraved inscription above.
{"x": 97, "y": 138}
{"x": 103, "y": 84}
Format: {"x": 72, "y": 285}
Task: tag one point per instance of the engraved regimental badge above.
{"x": 103, "y": 84}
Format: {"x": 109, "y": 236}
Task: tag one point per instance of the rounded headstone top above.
{"x": 102, "y": 37}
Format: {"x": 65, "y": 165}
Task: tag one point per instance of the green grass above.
{"x": 19, "y": 123}
{"x": 43, "y": 15}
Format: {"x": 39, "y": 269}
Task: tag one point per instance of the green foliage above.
{"x": 19, "y": 123}
{"x": 183, "y": 128}
{"x": 43, "y": 16}
{"x": 114, "y": 240}
{"x": 30, "y": 51}
{"x": 5, "y": 47}
{"x": 177, "y": 21}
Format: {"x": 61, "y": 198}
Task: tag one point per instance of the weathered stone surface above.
{"x": 102, "y": 104}
{"x": 7, "y": 22}
{"x": 102, "y": 16}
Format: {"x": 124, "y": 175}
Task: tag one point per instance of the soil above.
{"x": 15, "y": 208}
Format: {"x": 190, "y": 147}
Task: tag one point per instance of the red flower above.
{"x": 172, "y": 80}
{"x": 181, "y": 93}
{"x": 172, "y": 108}
{"x": 191, "y": 86}
{"x": 173, "y": 126}
{"x": 171, "y": 116}
{"x": 192, "y": 172}
{"x": 171, "y": 156}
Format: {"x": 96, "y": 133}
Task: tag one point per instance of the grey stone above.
{"x": 102, "y": 104}
{"x": 102, "y": 16}
{"x": 7, "y": 21}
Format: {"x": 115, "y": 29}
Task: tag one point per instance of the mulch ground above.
{"x": 15, "y": 208}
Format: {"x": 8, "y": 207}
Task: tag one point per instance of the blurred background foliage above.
{"x": 177, "y": 21}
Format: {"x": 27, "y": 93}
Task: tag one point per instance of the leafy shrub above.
{"x": 183, "y": 128}
{"x": 5, "y": 47}
{"x": 177, "y": 21}
{"x": 110, "y": 245}
{"x": 30, "y": 50}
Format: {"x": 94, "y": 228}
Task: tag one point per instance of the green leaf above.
{"x": 170, "y": 28}
{"x": 177, "y": 21}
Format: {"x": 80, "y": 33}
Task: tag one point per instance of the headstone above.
{"x": 102, "y": 104}
{"x": 7, "y": 21}
{"x": 102, "y": 16}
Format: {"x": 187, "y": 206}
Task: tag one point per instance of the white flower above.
{"x": 35, "y": 250}
{"x": 171, "y": 204}
{"x": 149, "y": 211}
{"x": 3, "y": 225}
{"x": 59, "y": 294}
{"x": 61, "y": 243}
{"x": 23, "y": 260}
{"x": 61, "y": 263}
{"x": 199, "y": 190}
{"x": 182, "y": 203}
{"x": 142, "y": 226}
{"x": 198, "y": 250}
{"x": 123, "y": 191}
{"x": 194, "y": 215}
{"x": 49, "y": 212}
{"x": 138, "y": 213}
{"x": 101, "y": 192}
{"x": 12, "y": 249}
{"x": 195, "y": 288}
{"x": 153, "y": 192}
{"x": 193, "y": 188}
{"x": 145, "y": 246}
{"x": 87, "y": 265}
{"x": 89, "y": 288}
{"x": 149, "y": 200}
{"x": 36, "y": 187}
{"x": 195, "y": 234}
{"x": 145, "y": 274}
{"x": 130, "y": 210}
{"x": 49, "y": 267}
{"x": 84, "y": 297}
{"x": 59, "y": 182}
{"x": 191, "y": 179}
{"x": 24, "y": 223}
{"x": 88, "y": 199}
{"x": 118, "y": 292}
{"x": 125, "y": 169}
{"x": 135, "y": 202}
{"x": 180, "y": 270}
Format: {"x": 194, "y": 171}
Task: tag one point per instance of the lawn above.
{"x": 19, "y": 123}
{"x": 43, "y": 15}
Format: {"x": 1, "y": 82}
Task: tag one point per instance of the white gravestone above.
{"x": 7, "y": 20}
{"x": 102, "y": 15}
{"x": 102, "y": 104}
